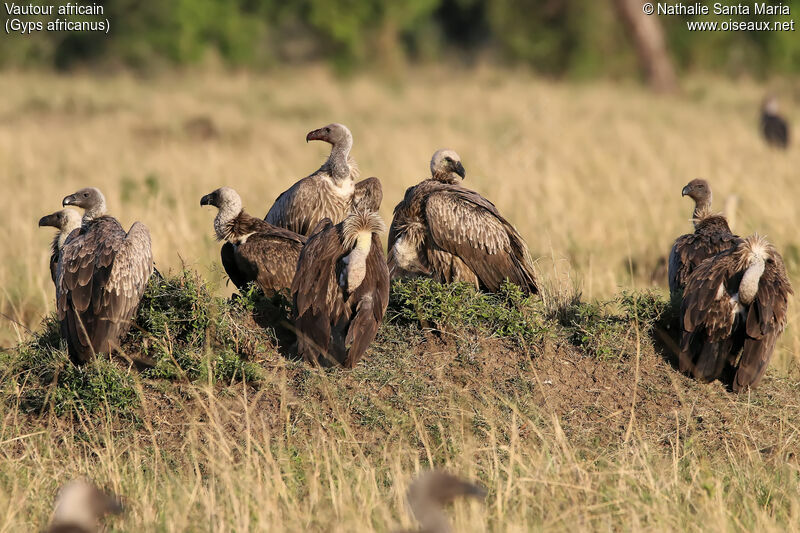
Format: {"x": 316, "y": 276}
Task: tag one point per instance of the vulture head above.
{"x": 770, "y": 105}
{"x": 368, "y": 195}
{"x": 90, "y": 199}
{"x": 699, "y": 191}
{"x": 229, "y": 204}
{"x": 65, "y": 220}
{"x": 80, "y": 505}
{"x": 335, "y": 134}
{"x": 223, "y": 198}
{"x": 446, "y": 167}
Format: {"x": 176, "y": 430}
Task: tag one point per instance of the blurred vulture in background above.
{"x": 444, "y": 231}
{"x": 711, "y": 236}
{"x": 773, "y": 125}
{"x": 65, "y": 221}
{"x": 431, "y": 491}
{"x": 735, "y": 301}
{"x": 327, "y": 193}
{"x": 254, "y": 250}
{"x": 341, "y": 288}
{"x": 79, "y": 507}
{"x": 101, "y": 275}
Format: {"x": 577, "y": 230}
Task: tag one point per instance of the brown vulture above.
{"x": 734, "y": 302}
{"x": 341, "y": 288}
{"x": 773, "y": 126}
{"x": 79, "y": 506}
{"x": 65, "y": 221}
{"x": 101, "y": 276}
{"x": 449, "y": 233}
{"x": 327, "y": 193}
{"x": 254, "y": 250}
{"x": 711, "y": 236}
{"x": 431, "y": 491}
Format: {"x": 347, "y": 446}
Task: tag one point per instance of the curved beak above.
{"x": 68, "y": 200}
{"x": 205, "y": 200}
{"x": 460, "y": 170}
{"x": 685, "y": 191}
{"x": 49, "y": 220}
{"x": 315, "y": 135}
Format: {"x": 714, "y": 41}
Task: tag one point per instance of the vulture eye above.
{"x": 448, "y": 159}
{"x": 86, "y": 195}
{"x": 327, "y": 130}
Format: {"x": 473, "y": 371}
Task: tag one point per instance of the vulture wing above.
{"x": 315, "y": 292}
{"x": 304, "y": 204}
{"x": 101, "y": 277}
{"x": 711, "y": 237}
{"x": 237, "y": 276}
{"x": 766, "y": 319}
{"x": 708, "y": 317}
{"x": 468, "y": 226}
{"x": 371, "y": 300}
{"x": 270, "y": 259}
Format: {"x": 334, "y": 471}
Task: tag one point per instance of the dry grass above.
{"x": 589, "y": 174}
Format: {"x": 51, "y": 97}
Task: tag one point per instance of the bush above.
{"x": 508, "y": 313}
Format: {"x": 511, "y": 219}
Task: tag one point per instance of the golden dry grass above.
{"x": 590, "y": 174}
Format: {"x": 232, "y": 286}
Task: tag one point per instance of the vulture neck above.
{"x": 64, "y": 233}
{"x": 338, "y": 164}
{"x": 748, "y": 287}
{"x": 96, "y": 211}
{"x": 223, "y": 222}
{"x": 701, "y": 207}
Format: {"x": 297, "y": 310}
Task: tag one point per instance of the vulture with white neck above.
{"x": 254, "y": 250}
{"x": 773, "y": 126}
{"x": 430, "y": 492}
{"x": 327, "y": 193}
{"x": 65, "y": 221}
{"x": 711, "y": 236}
{"x": 735, "y": 302}
{"x": 341, "y": 288}
{"x": 101, "y": 275}
{"x": 79, "y": 507}
{"x": 449, "y": 233}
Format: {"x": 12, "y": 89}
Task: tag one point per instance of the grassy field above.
{"x": 577, "y": 421}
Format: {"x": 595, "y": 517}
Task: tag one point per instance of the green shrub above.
{"x": 508, "y": 313}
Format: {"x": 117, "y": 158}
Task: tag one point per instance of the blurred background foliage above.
{"x": 561, "y": 38}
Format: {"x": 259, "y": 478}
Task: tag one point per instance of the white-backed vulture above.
{"x": 711, "y": 236}
{"x": 773, "y": 126}
{"x": 735, "y": 301}
{"x": 341, "y": 288}
{"x": 449, "y": 233}
{"x": 254, "y": 250}
{"x": 79, "y": 506}
{"x": 431, "y": 491}
{"x": 101, "y": 276}
{"x": 327, "y": 193}
{"x": 65, "y": 221}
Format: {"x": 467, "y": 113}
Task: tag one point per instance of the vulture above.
{"x": 431, "y": 491}
{"x": 711, "y": 236}
{"x": 327, "y": 193}
{"x": 341, "y": 288}
{"x": 79, "y": 507}
{"x": 734, "y": 302}
{"x": 444, "y": 231}
{"x": 254, "y": 250}
{"x": 65, "y": 221}
{"x": 101, "y": 275}
{"x": 773, "y": 126}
